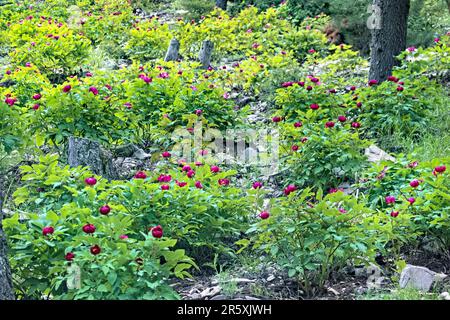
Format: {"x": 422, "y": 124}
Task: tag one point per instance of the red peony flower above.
{"x": 198, "y": 185}
{"x": 157, "y": 231}
{"x": 257, "y": 185}
{"x": 294, "y": 148}
{"x": 276, "y": 119}
{"x": 95, "y": 250}
{"x": 47, "y": 230}
{"x": 314, "y": 106}
{"x": 165, "y": 178}
{"x": 89, "y": 228}
{"x": 342, "y": 118}
{"x": 37, "y": 96}
{"x": 67, "y": 88}
{"x": 190, "y": 173}
{"x": 289, "y": 189}
{"x": 140, "y": 175}
{"x": 90, "y": 181}
{"x": 394, "y": 214}
{"x": 165, "y": 187}
{"x": 392, "y": 79}
{"x": 373, "y": 82}
{"x": 186, "y": 168}
{"x": 264, "y": 215}
{"x": 94, "y": 90}
{"x": 10, "y": 101}
{"x": 69, "y": 256}
{"x": 298, "y": 124}
{"x": 440, "y": 169}
{"x": 415, "y": 183}
{"x": 215, "y": 169}
{"x": 411, "y": 200}
{"x": 224, "y": 182}
{"x": 105, "y": 209}
{"x": 181, "y": 184}
{"x": 329, "y": 124}
{"x": 400, "y": 88}
{"x": 166, "y": 154}
{"x": 390, "y": 199}
{"x": 356, "y": 125}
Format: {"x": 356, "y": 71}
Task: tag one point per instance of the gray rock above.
{"x": 270, "y": 278}
{"x": 420, "y": 278}
{"x": 375, "y": 154}
{"x": 219, "y": 297}
{"x": 445, "y": 295}
{"x": 210, "y": 292}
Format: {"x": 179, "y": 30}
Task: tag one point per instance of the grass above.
{"x": 399, "y": 294}
{"x": 434, "y": 141}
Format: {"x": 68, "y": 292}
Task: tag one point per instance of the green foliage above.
{"x": 195, "y": 8}
{"x": 52, "y": 46}
{"x": 391, "y": 112}
{"x": 328, "y": 157}
{"x": 311, "y": 235}
{"x": 58, "y": 197}
{"x": 428, "y": 211}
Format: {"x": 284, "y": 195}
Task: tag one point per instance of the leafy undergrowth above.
{"x": 296, "y": 222}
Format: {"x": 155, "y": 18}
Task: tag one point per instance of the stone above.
{"x": 375, "y": 154}
{"x": 333, "y": 291}
{"x": 219, "y": 297}
{"x": 444, "y": 295}
{"x": 210, "y": 292}
{"x": 420, "y": 278}
{"x": 270, "y": 278}
{"x": 346, "y": 187}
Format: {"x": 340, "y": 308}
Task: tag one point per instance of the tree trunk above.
{"x": 84, "y": 152}
{"x": 172, "y": 51}
{"x": 389, "y": 40}
{"x": 6, "y": 288}
{"x": 222, "y": 4}
{"x": 205, "y": 53}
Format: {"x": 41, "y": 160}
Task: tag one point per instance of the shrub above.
{"x": 419, "y": 190}
{"x": 320, "y": 156}
{"x": 50, "y": 45}
{"x": 199, "y": 211}
{"x": 310, "y": 235}
{"x": 398, "y": 108}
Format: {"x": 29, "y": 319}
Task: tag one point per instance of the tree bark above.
{"x": 172, "y": 51}
{"x": 6, "y": 288}
{"x": 205, "y": 53}
{"x": 389, "y": 40}
{"x": 84, "y": 152}
{"x": 222, "y": 4}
